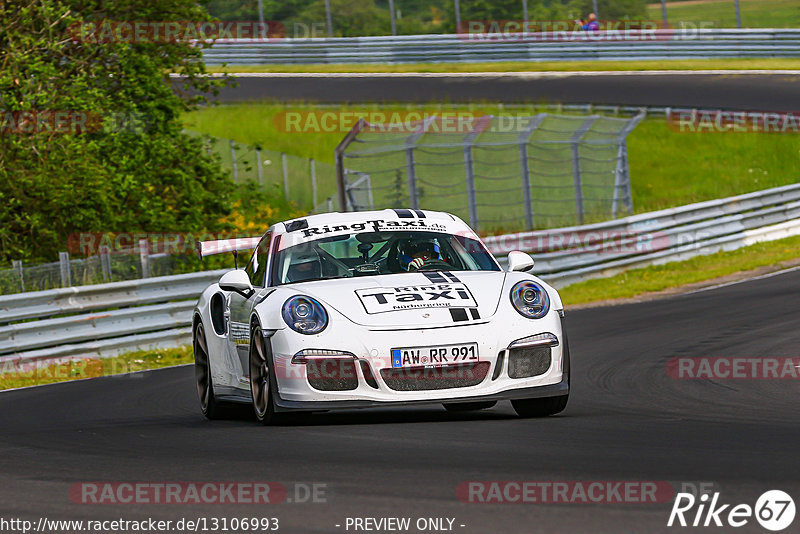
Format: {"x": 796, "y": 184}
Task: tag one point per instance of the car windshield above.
{"x": 372, "y": 253}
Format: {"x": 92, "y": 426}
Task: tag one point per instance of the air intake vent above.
{"x": 528, "y": 361}
{"x": 332, "y": 374}
{"x": 428, "y": 378}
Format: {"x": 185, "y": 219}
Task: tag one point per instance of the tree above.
{"x": 131, "y": 169}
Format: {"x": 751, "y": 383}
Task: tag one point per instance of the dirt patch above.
{"x": 688, "y": 288}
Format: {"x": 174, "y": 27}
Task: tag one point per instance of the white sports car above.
{"x": 380, "y": 308}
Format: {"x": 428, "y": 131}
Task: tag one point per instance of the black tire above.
{"x": 469, "y": 406}
{"x": 546, "y": 405}
{"x": 209, "y": 405}
{"x": 540, "y": 407}
{"x": 262, "y": 381}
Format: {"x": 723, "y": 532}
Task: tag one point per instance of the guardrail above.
{"x": 660, "y": 44}
{"x": 106, "y": 319}
{"x": 568, "y": 255}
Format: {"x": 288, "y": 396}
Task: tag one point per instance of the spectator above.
{"x": 590, "y": 25}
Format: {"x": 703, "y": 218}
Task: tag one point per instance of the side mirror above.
{"x": 236, "y": 280}
{"x": 519, "y": 261}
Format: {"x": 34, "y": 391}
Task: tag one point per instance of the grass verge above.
{"x": 656, "y": 278}
{"x": 722, "y": 13}
{"x": 526, "y": 66}
{"x": 12, "y": 376}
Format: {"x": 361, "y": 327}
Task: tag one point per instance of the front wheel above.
{"x": 261, "y": 381}
{"x": 547, "y": 405}
{"x": 540, "y": 407}
{"x": 209, "y": 405}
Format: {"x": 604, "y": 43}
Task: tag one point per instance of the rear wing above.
{"x": 209, "y": 248}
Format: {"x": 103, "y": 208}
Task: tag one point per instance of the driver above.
{"x": 415, "y": 254}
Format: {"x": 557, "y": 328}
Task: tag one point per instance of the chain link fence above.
{"x": 84, "y": 271}
{"x": 307, "y": 183}
{"x": 503, "y": 173}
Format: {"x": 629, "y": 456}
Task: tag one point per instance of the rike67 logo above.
{"x": 774, "y": 510}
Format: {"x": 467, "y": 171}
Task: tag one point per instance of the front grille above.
{"x": 528, "y": 361}
{"x": 332, "y": 374}
{"x": 428, "y": 378}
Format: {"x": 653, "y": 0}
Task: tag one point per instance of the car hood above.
{"x": 411, "y": 300}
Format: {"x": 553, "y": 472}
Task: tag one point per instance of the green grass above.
{"x": 92, "y": 367}
{"x": 530, "y": 66}
{"x": 668, "y": 168}
{"x": 722, "y": 14}
{"x": 675, "y": 274}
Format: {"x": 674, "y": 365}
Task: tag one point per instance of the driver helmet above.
{"x": 427, "y": 248}
{"x": 304, "y": 265}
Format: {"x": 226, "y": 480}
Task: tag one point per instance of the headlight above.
{"x": 530, "y": 299}
{"x": 305, "y": 315}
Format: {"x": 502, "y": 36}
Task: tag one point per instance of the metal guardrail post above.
{"x": 576, "y": 164}
{"x": 523, "y": 160}
{"x": 144, "y": 257}
{"x": 470, "y": 174}
{"x": 17, "y": 265}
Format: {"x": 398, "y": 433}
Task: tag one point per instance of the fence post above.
{"x": 411, "y": 166}
{"x": 17, "y": 264}
{"x": 63, "y": 260}
{"x": 233, "y": 161}
{"x": 473, "y": 208}
{"x": 338, "y": 155}
{"x": 622, "y": 178}
{"x": 312, "y": 166}
{"x": 523, "y": 160}
{"x": 105, "y": 264}
{"x": 259, "y": 166}
{"x": 144, "y": 257}
{"x": 284, "y": 162}
{"x": 576, "y": 164}
{"x": 411, "y": 170}
{"x": 470, "y": 172}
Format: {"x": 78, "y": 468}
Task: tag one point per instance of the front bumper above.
{"x": 552, "y": 390}
{"x": 373, "y": 347}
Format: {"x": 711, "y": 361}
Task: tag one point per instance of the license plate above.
{"x": 434, "y": 355}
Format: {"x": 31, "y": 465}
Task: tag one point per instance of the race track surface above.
{"x": 767, "y": 92}
{"x": 626, "y": 420}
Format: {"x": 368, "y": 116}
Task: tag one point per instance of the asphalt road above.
{"x": 767, "y": 92}
{"x": 626, "y": 420}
